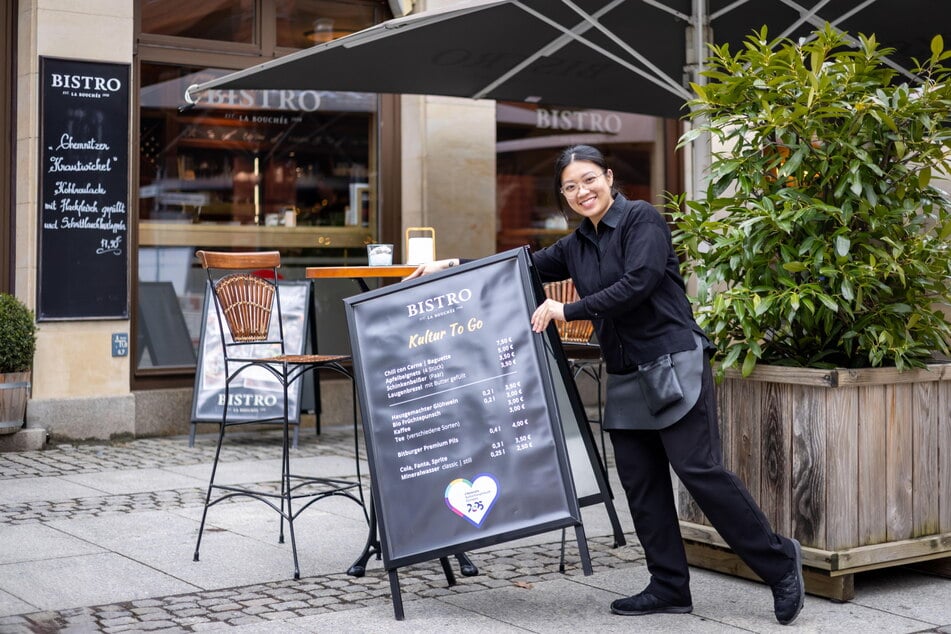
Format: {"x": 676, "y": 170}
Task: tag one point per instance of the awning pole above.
{"x": 699, "y": 155}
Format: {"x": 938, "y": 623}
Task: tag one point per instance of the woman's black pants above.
{"x": 692, "y": 447}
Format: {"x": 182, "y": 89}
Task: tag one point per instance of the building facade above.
{"x": 314, "y": 174}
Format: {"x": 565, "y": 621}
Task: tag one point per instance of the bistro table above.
{"x": 360, "y": 274}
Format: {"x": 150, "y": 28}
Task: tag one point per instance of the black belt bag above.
{"x": 659, "y": 384}
{"x": 659, "y": 394}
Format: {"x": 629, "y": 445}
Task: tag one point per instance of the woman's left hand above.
{"x": 432, "y": 267}
{"x": 546, "y": 311}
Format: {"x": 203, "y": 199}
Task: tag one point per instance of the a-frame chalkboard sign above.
{"x": 461, "y": 414}
{"x": 258, "y": 395}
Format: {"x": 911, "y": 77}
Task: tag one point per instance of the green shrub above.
{"x": 821, "y": 240}
{"x": 17, "y": 335}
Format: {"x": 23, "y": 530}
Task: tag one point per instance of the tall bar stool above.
{"x": 584, "y": 359}
{"x": 581, "y": 350}
{"x": 246, "y": 297}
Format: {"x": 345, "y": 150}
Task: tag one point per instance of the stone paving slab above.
{"x": 9, "y": 604}
{"x": 128, "y": 481}
{"x": 165, "y": 541}
{"x": 425, "y": 616}
{"x": 543, "y": 608}
{"x": 68, "y": 582}
{"x": 501, "y": 599}
{"x": 46, "y": 489}
{"x": 925, "y": 598}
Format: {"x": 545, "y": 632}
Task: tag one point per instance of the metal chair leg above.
{"x": 286, "y": 490}
{"x": 211, "y": 485}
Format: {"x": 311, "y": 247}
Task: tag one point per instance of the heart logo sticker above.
{"x": 472, "y": 500}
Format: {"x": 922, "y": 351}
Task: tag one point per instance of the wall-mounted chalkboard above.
{"x": 459, "y": 413}
{"x": 84, "y": 190}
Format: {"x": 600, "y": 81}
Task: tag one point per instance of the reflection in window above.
{"x": 222, "y": 20}
{"x": 248, "y": 157}
{"x": 529, "y": 139}
{"x": 303, "y": 23}
{"x": 242, "y": 170}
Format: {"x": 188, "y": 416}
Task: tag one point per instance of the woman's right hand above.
{"x": 546, "y": 311}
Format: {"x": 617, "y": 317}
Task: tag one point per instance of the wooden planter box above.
{"x": 856, "y": 464}
{"x": 14, "y": 393}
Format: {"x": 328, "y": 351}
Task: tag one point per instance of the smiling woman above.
{"x": 587, "y": 193}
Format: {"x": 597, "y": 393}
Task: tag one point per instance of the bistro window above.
{"x": 222, "y": 20}
{"x": 287, "y": 170}
{"x": 291, "y": 170}
{"x": 323, "y": 21}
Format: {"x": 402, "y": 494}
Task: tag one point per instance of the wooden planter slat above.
{"x": 775, "y": 442}
{"x": 898, "y": 461}
{"x": 856, "y": 464}
{"x": 890, "y": 376}
{"x": 846, "y": 561}
{"x": 944, "y": 457}
{"x": 926, "y": 475}
{"x": 843, "y": 468}
{"x": 746, "y": 436}
{"x": 871, "y": 459}
{"x": 808, "y": 467}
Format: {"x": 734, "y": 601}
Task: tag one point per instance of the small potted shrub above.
{"x": 822, "y": 254}
{"x": 17, "y": 345}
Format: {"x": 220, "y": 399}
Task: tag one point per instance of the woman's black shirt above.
{"x": 628, "y": 277}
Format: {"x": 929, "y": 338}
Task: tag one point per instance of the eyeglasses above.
{"x": 570, "y": 189}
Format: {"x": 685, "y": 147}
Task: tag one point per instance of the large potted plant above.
{"x": 17, "y": 345}
{"x": 822, "y": 257}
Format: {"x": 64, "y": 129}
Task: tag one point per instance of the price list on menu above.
{"x": 463, "y": 441}
{"x": 84, "y": 192}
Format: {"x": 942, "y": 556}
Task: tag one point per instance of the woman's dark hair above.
{"x": 569, "y": 155}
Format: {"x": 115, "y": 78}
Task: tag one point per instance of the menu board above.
{"x": 84, "y": 190}
{"x": 460, "y": 417}
{"x": 256, "y": 393}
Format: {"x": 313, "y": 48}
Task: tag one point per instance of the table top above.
{"x": 395, "y": 270}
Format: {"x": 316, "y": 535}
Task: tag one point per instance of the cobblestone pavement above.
{"x": 69, "y": 459}
{"x": 281, "y": 600}
{"x": 66, "y": 459}
{"x": 258, "y": 603}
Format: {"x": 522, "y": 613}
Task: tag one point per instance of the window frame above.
{"x": 164, "y": 49}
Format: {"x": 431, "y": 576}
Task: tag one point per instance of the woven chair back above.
{"x": 578, "y": 331}
{"x": 246, "y": 302}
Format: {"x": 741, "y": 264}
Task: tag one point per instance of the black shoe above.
{"x": 466, "y": 567}
{"x": 646, "y": 603}
{"x": 790, "y": 591}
